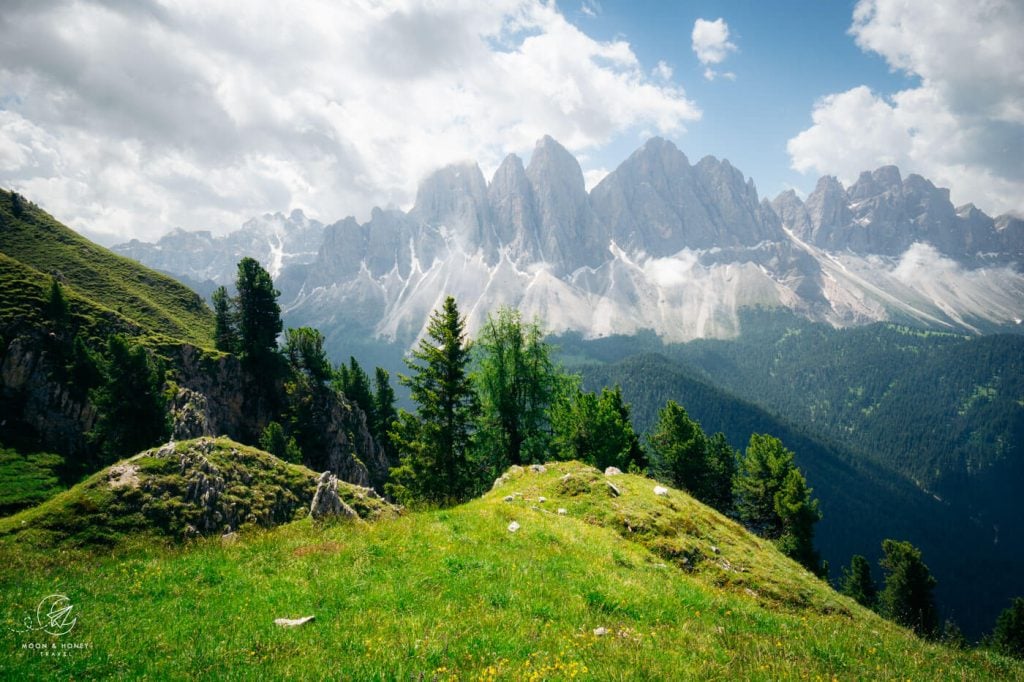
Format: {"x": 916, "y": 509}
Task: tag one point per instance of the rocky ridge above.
{"x": 659, "y": 244}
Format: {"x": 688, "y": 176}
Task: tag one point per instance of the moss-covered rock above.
{"x": 197, "y": 487}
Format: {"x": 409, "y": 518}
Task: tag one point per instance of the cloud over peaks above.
{"x": 133, "y": 118}
{"x": 962, "y": 126}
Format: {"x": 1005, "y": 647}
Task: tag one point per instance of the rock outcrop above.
{"x": 326, "y": 502}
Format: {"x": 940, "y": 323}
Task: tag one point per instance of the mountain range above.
{"x": 658, "y": 244}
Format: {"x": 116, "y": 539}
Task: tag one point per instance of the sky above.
{"x": 128, "y": 118}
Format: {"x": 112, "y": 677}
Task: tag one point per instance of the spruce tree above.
{"x": 907, "y": 596}
{"x": 355, "y": 384}
{"x": 596, "y": 429}
{"x": 259, "y": 315}
{"x": 225, "y": 332}
{"x": 276, "y": 442}
{"x": 384, "y": 410}
{"x": 773, "y": 499}
{"x": 1008, "y": 636}
{"x": 435, "y": 442}
{"x": 130, "y": 406}
{"x": 857, "y": 582}
{"x": 57, "y": 306}
{"x": 798, "y": 514}
{"x": 679, "y": 451}
{"x": 721, "y": 459}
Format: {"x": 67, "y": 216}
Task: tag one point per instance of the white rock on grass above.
{"x": 513, "y": 527}
{"x": 613, "y": 471}
{"x": 600, "y": 632}
{"x": 538, "y": 468}
{"x": 292, "y": 622}
{"x": 660, "y": 490}
{"x": 542, "y": 499}
{"x": 509, "y": 498}
{"x": 562, "y": 512}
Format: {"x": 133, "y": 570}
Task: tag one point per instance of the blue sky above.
{"x": 131, "y": 119}
{"x": 789, "y": 54}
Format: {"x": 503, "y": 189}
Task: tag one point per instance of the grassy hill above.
{"x": 625, "y": 584}
{"x": 105, "y": 290}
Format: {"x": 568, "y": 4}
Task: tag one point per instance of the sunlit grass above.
{"x": 453, "y": 594}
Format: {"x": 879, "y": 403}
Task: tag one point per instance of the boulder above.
{"x": 613, "y": 471}
{"x": 293, "y": 622}
{"x": 661, "y": 490}
{"x": 326, "y": 501}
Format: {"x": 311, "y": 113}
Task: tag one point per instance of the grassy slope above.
{"x": 27, "y": 479}
{"x": 111, "y": 286}
{"x": 454, "y": 595}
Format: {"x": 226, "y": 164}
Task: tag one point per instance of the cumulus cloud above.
{"x": 711, "y": 43}
{"x": 133, "y": 118}
{"x": 962, "y": 126}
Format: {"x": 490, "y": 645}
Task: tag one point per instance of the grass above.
{"x": 26, "y": 480}
{"x": 155, "y": 494}
{"x": 453, "y": 595}
{"x": 114, "y": 289}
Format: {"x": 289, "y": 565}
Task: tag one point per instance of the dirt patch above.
{"x": 124, "y": 476}
{"x": 322, "y": 548}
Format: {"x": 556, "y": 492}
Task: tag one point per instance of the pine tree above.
{"x": 225, "y": 332}
{"x": 1008, "y": 636}
{"x": 515, "y": 381}
{"x": 304, "y": 350}
{"x": 259, "y": 316}
{"x": 679, "y": 451}
{"x": 355, "y": 384}
{"x": 131, "y": 409}
{"x": 384, "y": 410}
{"x": 907, "y": 596}
{"x": 721, "y": 458}
{"x": 759, "y": 478}
{"x": 773, "y": 499}
{"x": 596, "y": 429}
{"x": 276, "y": 442}
{"x": 57, "y": 306}
{"x": 306, "y": 390}
{"x": 798, "y": 514}
{"x": 857, "y": 582}
{"x": 434, "y": 443}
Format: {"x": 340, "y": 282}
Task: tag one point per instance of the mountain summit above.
{"x": 659, "y": 244}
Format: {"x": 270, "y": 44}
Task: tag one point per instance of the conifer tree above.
{"x": 276, "y": 442}
{"x": 596, "y": 429}
{"x": 57, "y": 306}
{"x": 259, "y": 315}
{"x": 1008, "y": 636}
{"x": 857, "y": 582}
{"x": 384, "y": 410}
{"x": 907, "y": 596}
{"x": 721, "y": 459}
{"x": 434, "y": 443}
{"x": 225, "y": 332}
{"x": 131, "y": 409}
{"x": 679, "y": 450}
{"x": 355, "y": 384}
{"x": 773, "y": 499}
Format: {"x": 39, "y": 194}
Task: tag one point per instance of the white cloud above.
{"x": 592, "y": 177}
{"x": 662, "y": 70}
{"x": 132, "y": 118}
{"x": 962, "y": 126}
{"x": 711, "y": 43}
